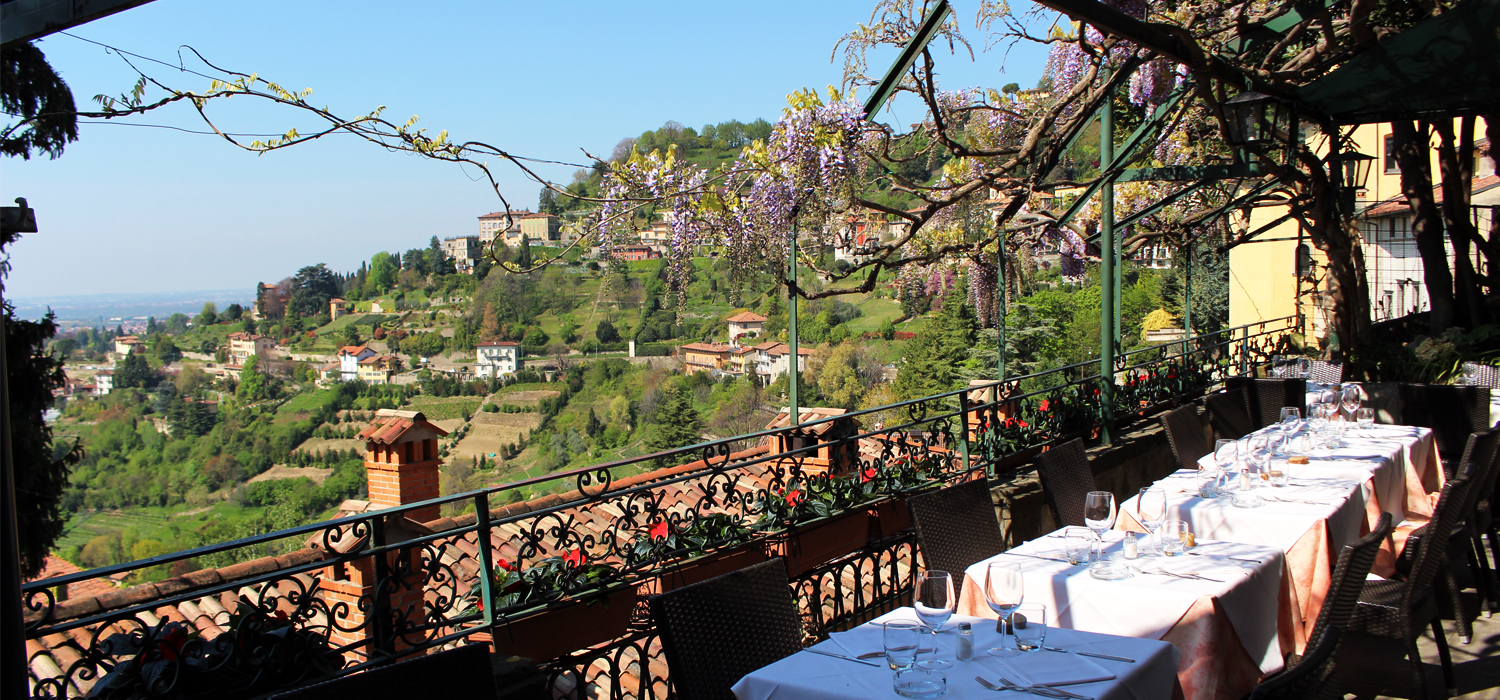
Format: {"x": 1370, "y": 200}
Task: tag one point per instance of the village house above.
{"x": 745, "y": 325}
{"x": 104, "y": 382}
{"x": 497, "y": 359}
{"x": 463, "y": 251}
{"x": 337, "y": 308}
{"x": 494, "y": 225}
{"x": 636, "y": 252}
{"x": 540, "y": 227}
{"x": 242, "y": 346}
{"x": 771, "y": 360}
{"x": 349, "y": 358}
{"x": 127, "y": 345}
{"x": 261, "y": 290}
{"x": 705, "y": 357}
{"x": 378, "y": 369}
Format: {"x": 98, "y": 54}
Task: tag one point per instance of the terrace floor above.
{"x": 1476, "y": 665}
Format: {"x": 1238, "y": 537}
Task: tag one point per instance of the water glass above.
{"x": 1210, "y": 482}
{"x": 902, "y": 641}
{"x": 933, "y": 599}
{"x": 1174, "y": 535}
{"x": 1278, "y": 478}
{"x": 921, "y": 682}
{"x": 1291, "y": 417}
{"x": 1099, "y": 514}
{"x": 1077, "y": 543}
{"x": 1366, "y": 418}
{"x": 1030, "y": 623}
{"x": 1004, "y": 591}
{"x": 1151, "y": 510}
{"x": 1276, "y": 440}
{"x": 1224, "y": 453}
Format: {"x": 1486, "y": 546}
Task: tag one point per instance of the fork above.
{"x": 1042, "y": 690}
{"x": 1194, "y": 576}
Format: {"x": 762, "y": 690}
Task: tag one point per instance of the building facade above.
{"x": 497, "y": 359}
{"x": 243, "y": 346}
{"x": 378, "y": 369}
{"x": 349, "y": 359}
{"x": 500, "y": 225}
{"x": 745, "y": 325}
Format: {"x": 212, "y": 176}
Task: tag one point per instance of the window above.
{"x": 1390, "y": 155}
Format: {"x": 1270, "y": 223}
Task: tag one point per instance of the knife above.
{"x": 841, "y": 656}
{"x": 1033, "y": 556}
{"x": 1090, "y": 653}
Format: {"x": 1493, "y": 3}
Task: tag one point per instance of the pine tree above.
{"x": 677, "y": 423}
{"x": 594, "y": 426}
{"x": 941, "y": 348}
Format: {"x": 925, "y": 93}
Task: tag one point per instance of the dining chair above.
{"x": 1185, "y": 435}
{"x": 1264, "y": 398}
{"x": 466, "y": 673}
{"x": 716, "y": 631}
{"x": 1484, "y": 375}
{"x": 1452, "y": 412}
{"x": 956, "y": 527}
{"x": 1401, "y": 610}
{"x": 1228, "y": 415}
{"x": 1066, "y": 478}
{"x": 1347, "y": 583}
{"x": 1325, "y": 372}
{"x": 1315, "y": 678}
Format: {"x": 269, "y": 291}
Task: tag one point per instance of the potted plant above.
{"x": 556, "y": 606}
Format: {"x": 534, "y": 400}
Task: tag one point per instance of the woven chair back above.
{"x": 1185, "y": 435}
{"x": 1066, "y": 478}
{"x": 465, "y": 671}
{"x": 1325, "y": 372}
{"x": 1266, "y": 397}
{"x": 1485, "y": 375}
{"x": 716, "y": 631}
{"x": 1452, "y": 412}
{"x": 1229, "y": 414}
{"x": 956, "y": 527}
{"x": 1315, "y": 678}
{"x": 1432, "y": 550}
{"x": 1348, "y": 581}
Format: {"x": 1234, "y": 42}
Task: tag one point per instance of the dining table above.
{"x": 1219, "y": 605}
{"x": 850, "y": 665}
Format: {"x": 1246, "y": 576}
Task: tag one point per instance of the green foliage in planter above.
{"x": 548, "y": 580}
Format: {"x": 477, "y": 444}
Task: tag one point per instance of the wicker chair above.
{"x": 466, "y": 673}
{"x": 716, "y": 631}
{"x": 1066, "y": 478}
{"x": 1324, "y": 372}
{"x": 1348, "y": 581}
{"x": 1452, "y": 412}
{"x": 1265, "y": 398}
{"x": 1185, "y": 435}
{"x": 1401, "y": 609}
{"x": 956, "y": 527}
{"x": 1228, "y": 415}
{"x": 1315, "y": 678}
{"x": 1486, "y": 375}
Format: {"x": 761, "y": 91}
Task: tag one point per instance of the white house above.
{"x": 349, "y": 357}
{"x": 497, "y": 359}
{"x": 745, "y": 324}
{"x": 104, "y": 382}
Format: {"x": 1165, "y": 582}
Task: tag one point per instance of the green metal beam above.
{"x": 892, "y": 79}
{"x": 1163, "y": 203}
{"x": 1272, "y": 31}
{"x": 1156, "y": 120}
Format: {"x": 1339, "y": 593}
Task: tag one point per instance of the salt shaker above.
{"x": 1132, "y": 550}
{"x": 965, "y": 649}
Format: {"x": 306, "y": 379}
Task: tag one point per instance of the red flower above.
{"x": 574, "y": 558}
{"x": 1046, "y": 405}
{"x": 793, "y": 497}
{"x": 658, "y": 531}
{"x": 867, "y": 474}
{"x": 505, "y": 565}
{"x": 172, "y": 642}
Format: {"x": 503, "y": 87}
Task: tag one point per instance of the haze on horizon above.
{"x": 134, "y": 209}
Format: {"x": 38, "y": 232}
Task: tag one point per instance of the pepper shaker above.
{"x": 965, "y": 649}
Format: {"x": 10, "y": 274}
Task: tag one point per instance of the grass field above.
{"x": 444, "y": 408}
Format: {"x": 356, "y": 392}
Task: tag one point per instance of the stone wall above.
{"x": 1136, "y": 460}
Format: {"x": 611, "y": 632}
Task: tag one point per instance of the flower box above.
{"x": 825, "y": 539}
{"x": 890, "y": 517}
{"x": 548, "y": 634}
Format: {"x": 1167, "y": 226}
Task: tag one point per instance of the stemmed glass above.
{"x": 1291, "y": 416}
{"x": 1099, "y": 515}
{"x": 1151, "y": 510}
{"x": 1304, "y": 368}
{"x": 1004, "y": 590}
{"x": 1224, "y": 454}
{"x": 1351, "y": 399}
{"x": 933, "y": 599}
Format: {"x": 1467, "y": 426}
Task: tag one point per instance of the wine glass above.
{"x": 1291, "y": 416}
{"x": 1304, "y": 368}
{"x": 1151, "y": 510}
{"x": 1351, "y": 399}
{"x": 933, "y": 599}
{"x": 1224, "y": 454}
{"x": 1004, "y": 590}
{"x": 1099, "y": 515}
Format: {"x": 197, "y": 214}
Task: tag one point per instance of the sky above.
{"x": 138, "y": 209}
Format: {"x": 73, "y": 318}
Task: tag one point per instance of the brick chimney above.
{"x": 401, "y": 461}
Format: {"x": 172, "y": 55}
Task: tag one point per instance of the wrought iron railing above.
{"x": 374, "y": 587}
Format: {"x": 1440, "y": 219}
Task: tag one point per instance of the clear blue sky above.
{"x": 134, "y": 209}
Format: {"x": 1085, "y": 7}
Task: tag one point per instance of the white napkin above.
{"x": 1047, "y": 668}
{"x": 864, "y": 639}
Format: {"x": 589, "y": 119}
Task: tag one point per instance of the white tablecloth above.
{"x": 807, "y": 676}
{"x": 1148, "y": 606}
{"x": 1273, "y": 524}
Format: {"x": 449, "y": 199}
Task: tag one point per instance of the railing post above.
{"x": 380, "y": 604}
{"x": 963, "y": 426}
{"x": 793, "y": 376}
{"x": 1000, "y": 309}
{"x": 1109, "y": 253}
{"x": 486, "y": 553}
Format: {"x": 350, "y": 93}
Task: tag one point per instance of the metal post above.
{"x": 793, "y": 376}
{"x": 1119, "y": 275}
{"x": 1187, "y": 299}
{"x": 1107, "y": 276}
{"x": 1000, "y": 308}
{"x": 483, "y": 538}
{"x": 963, "y": 428}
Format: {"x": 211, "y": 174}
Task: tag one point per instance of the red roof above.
{"x": 389, "y": 425}
{"x": 501, "y": 214}
{"x": 353, "y": 349}
{"x": 54, "y": 566}
{"x": 1399, "y": 205}
{"x": 708, "y": 347}
{"x": 747, "y": 317}
{"x": 499, "y": 344}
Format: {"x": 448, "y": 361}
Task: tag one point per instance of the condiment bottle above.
{"x": 965, "y": 649}
{"x": 1132, "y": 550}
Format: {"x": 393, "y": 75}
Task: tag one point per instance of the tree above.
{"x": 523, "y": 255}
{"x": 940, "y": 348}
{"x": 677, "y": 422}
{"x": 535, "y": 338}
{"x": 232, "y": 313}
{"x": 134, "y": 372}
{"x": 489, "y": 328}
{"x": 887, "y": 330}
{"x": 209, "y": 315}
{"x": 594, "y": 426}
{"x": 605, "y": 332}
{"x": 546, "y": 202}
{"x": 253, "y": 384}
{"x": 32, "y": 90}
{"x": 312, "y": 287}
{"x": 382, "y": 275}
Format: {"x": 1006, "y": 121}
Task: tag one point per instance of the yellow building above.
{"x": 1263, "y": 281}
{"x": 379, "y": 369}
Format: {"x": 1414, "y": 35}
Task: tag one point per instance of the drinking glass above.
{"x": 1151, "y": 510}
{"x": 902, "y": 641}
{"x": 1210, "y": 482}
{"x": 1099, "y": 514}
{"x": 1304, "y": 368}
{"x": 1291, "y": 417}
{"x": 1471, "y": 374}
{"x": 1366, "y": 418}
{"x": 1224, "y": 454}
{"x": 1317, "y": 417}
{"x": 1077, "y": 543}
{"x": 1030, "y": 621}
{"x": 1004, "y": 590}
{"x": 1276, "y": 440}
{"x": 1174, "y": 535}
{"x": 933, "y": 599}
{"x": 1352, "y": 397}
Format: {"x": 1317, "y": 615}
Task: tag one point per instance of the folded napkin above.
{"x": 1047, "y": 668}
{"x": 864, "y": 639}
